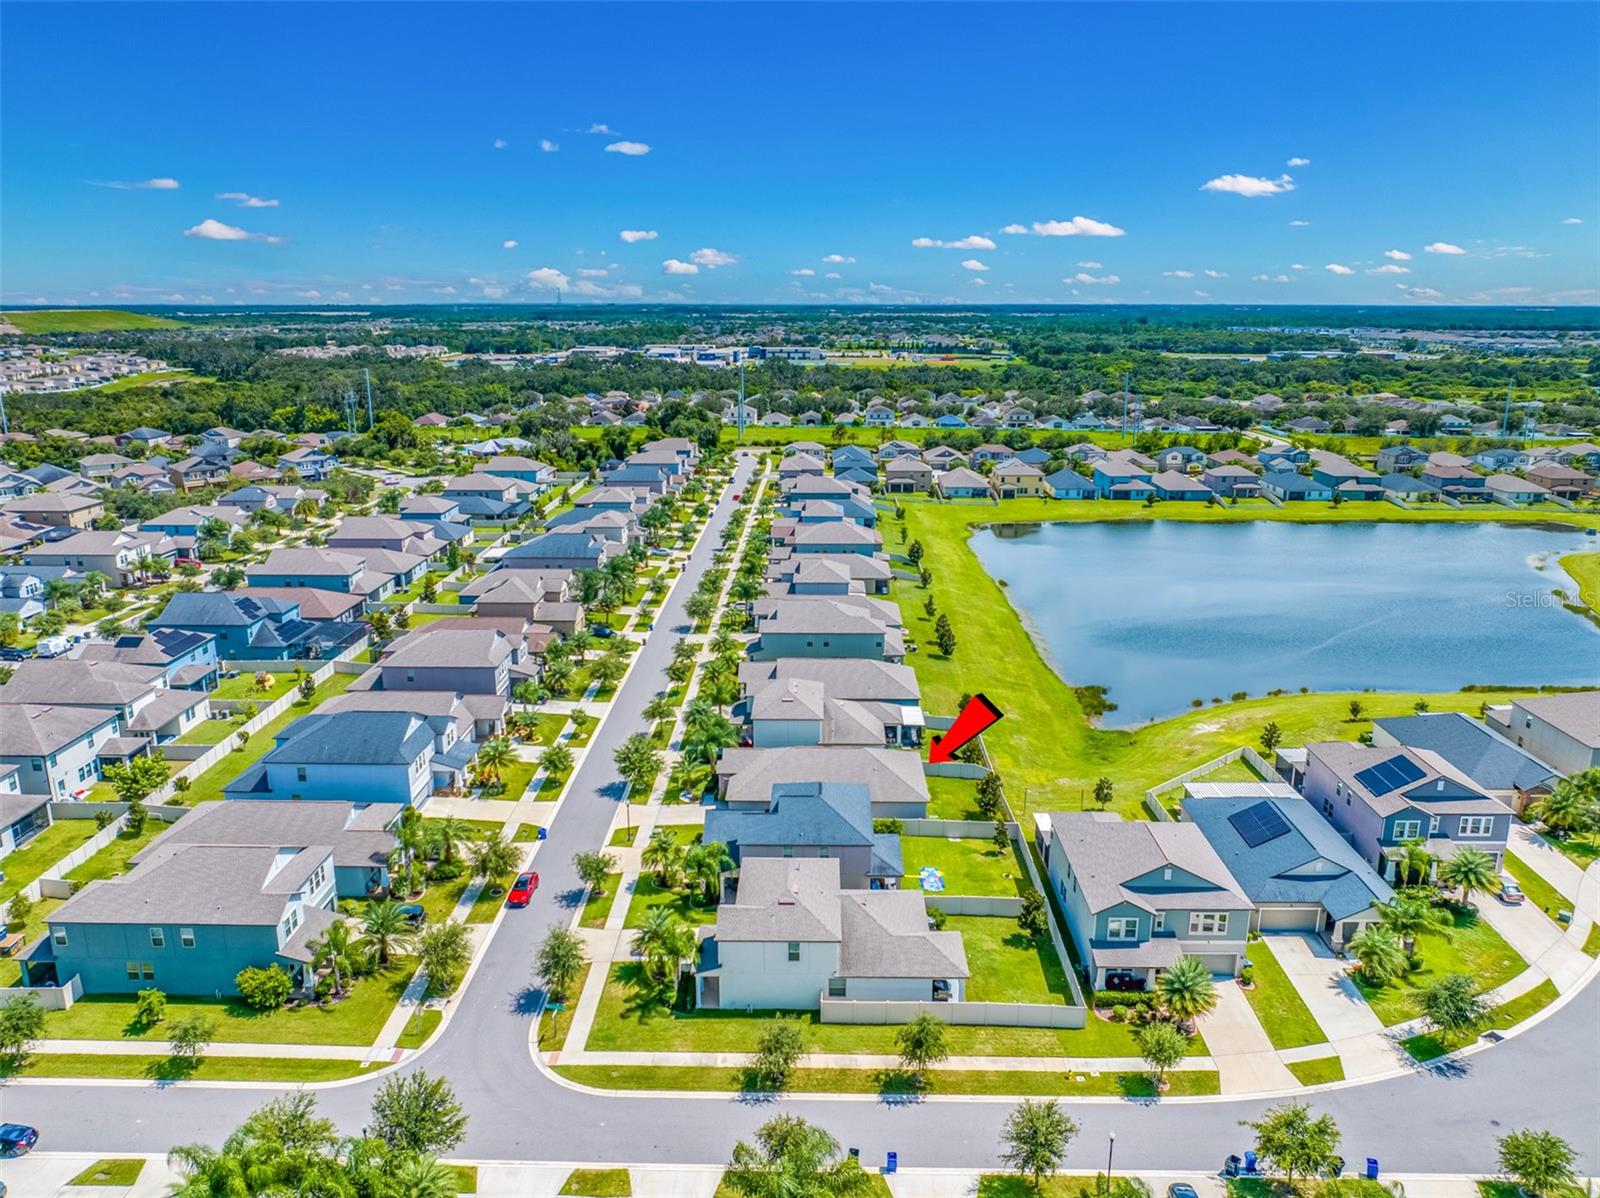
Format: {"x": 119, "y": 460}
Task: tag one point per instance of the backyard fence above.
{"x": 959, "y": 829}
{"x": 953, "y": 769}
{"x": 51, "y": 998}
{"x": 974, "y": 904}
{"x": 960, "y": 1014}
{"x": 1152, "y": 797}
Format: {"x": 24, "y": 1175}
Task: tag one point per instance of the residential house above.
{"x": 22, "y": 817}
{"x": 961, "y": 483}
{"x": 183, "y": 524}
{"x": 1513, "y": 491}
{"x": 100, "y": 466}
{"x": 313, "y": 465}
{"x": 835, "y": 537}
{"x": 413, "y": 537}
{"x": 1014, "y": 479}
{"x": 126, "y": 558}
{"x": 1111, "y": 474}
{"x": 1382, "y": 798}
{"x": 476, "y": 717}
{"x": 322, "y": 569}
{"x": 810, "y": 820}
{"x": 1563, "y": 731}
{"x": 540, "y": 596}
{"x": 1336, "y": 471}
{"x": 1564, "y": 482}
{"x": 472, "y": 661}
{"x": 852, "y": 457}
{"x": 1139, "y": 894}
{"x": 522, "y": 469}
{"x": 1297, "y": 872}
{"x": 907, "y": 475}
{"x": 22, "y": 593}
{"x": 1232, "y": 482}
{"x": 288, "y": 498}
{"x": 1284, "y": 458}
{"x": 1067, "y": 483}
{"x": 55, "y": 748}
{"x": 383, "y": 756}
{"x": 1175, "y": 484}
{"x": 1295, "y": 488}
{"x": 794, "y": 935}
{"x": 248, "y": 627}
{"x": 798, "y": 464}
{"x": 317, "y": 605}
{"x": 893, "y": 777}
{"x": 1234, "y": 457}
{"x": 827, "y": 627}
{"x": 795, "y": 710}
{"x": 150, "y": 438}
{"x": 868, "y": 575}
{"x": 147, "y": 710}
{"x": 562, "y": 551}
{"x": 192, "y": 473}
{"x": 1185, "y": 458}
{"x": 430, "y": 509}
{"x": 890, "y": 450}
{"x": 1406, "y": 488}
{"x": 942, "y": 457}
{"x": 54, "y": 509}
{"x": 188, "y": 659}
{"x": 486, "y": 497}
{"x": 1493, "y": 764}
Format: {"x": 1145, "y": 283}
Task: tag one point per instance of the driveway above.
{"x": 1319, "y": 977}
{"x": 1548, "y": 862}
{"x": 1246, "y": 1061}
{"x": 1538, "y": 939}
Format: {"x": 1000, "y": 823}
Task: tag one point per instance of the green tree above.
{"x": 494, "y": 755}
{"x": 21, "y": 1023}
{"x": 705, "y": 864}
{"x": 421, "y": 1176}
{"x": 333, "y": 949}
{"x": 778, "y": 1050}
{"x": 944, "y": 635}
{"x": 793, "y": 1159}
{"x": 149, "y": 1008}
{"x": 494, "y": 857}
{"x": 1381, "y": 955}
{"x": 189, "y": 1037}
{"x": 559, "y": 960}
{"x": 556, "y": 761}
{"x": 1035, "y": 1139}
{"x": 915, "y": 552}
{"x": 1472, "y": 871}
{"x": 922, "y": 1045}
{"x": 1290, "y": 1141}
{"x": 664, "y": 854}
{"x": 1408, "y": 915}
{"x": 638, "y": 760}
{"x": 308, "y": 688}
{"x": 418, "y": 1113}
{"x": 1185, "y": 989}
{"x": 1573, "y": 806}
{"x": 1538, "y": 1161}
{"x": 1452, "y": 1004}
{"x": 138, "y": 778}
{"x": 444, "y": 950}
{"x": 1357, "y": 709}
{"x": 1271, "y": 736}
{"x": 594, "y": 868}
{"x": 265, "y": 989}
{"x": 385, "y": 930}
{"x": 1032, "y": 919}
{"x": 1162, "y": 1046}
{"x": 1104, "y": 792}
{"x": 665, "y": 942}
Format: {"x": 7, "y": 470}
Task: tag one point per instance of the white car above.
{"x": 1510, "y": 892}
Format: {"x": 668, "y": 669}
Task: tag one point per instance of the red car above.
{"x": 521, "y": 892}
{"x": 188, "y": 561}
{"x": 737, "y": 496}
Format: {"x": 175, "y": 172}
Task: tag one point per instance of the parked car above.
{"x": 16, "y": 1139}
{"x": 414, "y": 913}
{"x": 521, "y": 892}
{"x": 1510, "y": 892}
{"x": 1180, "y": 1189}
{"x": 188, "y": 561}
{"x": 53, "y": 646}
{"x": 602, "y": 631}
{"x": 12, "y": 653}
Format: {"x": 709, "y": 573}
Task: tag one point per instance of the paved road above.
{"x": 1546, "y": 1077}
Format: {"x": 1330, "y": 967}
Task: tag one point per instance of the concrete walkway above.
{"x": 1549, "y": 862}
{"x": 1364, "y": 1046}
{"x": 1245, "y": 1059}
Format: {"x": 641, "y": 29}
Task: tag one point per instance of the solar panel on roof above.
{"x": 1258, "y": 823}
{"x": 1389, "y": 775}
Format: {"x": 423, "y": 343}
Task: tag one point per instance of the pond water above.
{"x": 1162, "y": 612}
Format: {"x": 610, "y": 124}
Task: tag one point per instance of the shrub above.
{"x": 446, "y": 871}
{"x": 1124, "y": 998}
{"x": 938, "y": 917}
{"x": 263, "y": 989}
{"x": 150, "y": 1008}
{"x": 324, "y": 987}
{"x": 1247, "y": 973}
{"x": 891, "y": 826}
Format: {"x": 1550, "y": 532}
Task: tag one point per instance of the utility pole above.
{"x": 5, "y": 426}
{"x": 1124, "y": 405}
{"x": 738, "y": 412}
{"x": 368, "y": 375}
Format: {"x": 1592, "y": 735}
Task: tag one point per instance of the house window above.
{"x": 1407, "y": 829}
{"x": 1477, "y": 825}
{"x": 788, "y": 850}
{"x": 133, "y": 971}
{"x": 794, "y": 950}
{"x": 1433, "y": 824}
{"x": 186, "y": 937}
{"x": 1123, "y": 928}
{"x": 835, "y": 987}
{"x": 824, "y": 851}
{"x": 58, "y": 937}
{"x": 1207, "y": 923}
{"x": 299, "y": 773}
{"x": 1159, "y": 924}
{"x": 158, "y": 937}
{"x": 149, "y": 970}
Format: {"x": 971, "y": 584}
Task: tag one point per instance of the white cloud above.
{"x": 1172, "y": 274}
{"x": 1397, "y": 255}
{"x": 160, "y": 184}
{"x": 601, "y": 127}
{"x": 804, "y": 272}
{"x": 1390, "y": 268}
{"x": 1216, "y": 274}
{"x": 1202, "y": 294}
{"x": 1298, "y": 266}
{"x": 508, "y": 245}
{"x": 633, "y": 149}
{"x": 979, "y": 281}
{"x": 247, "y": 201}
{"x": 973, "y": 264}
{"x": 1336, "y": 268}
{"x": 1572, "y": 220}
{"x": 1270, "y": 279}
{"x": 838, "y": 258}
{"x": 975, "y": 241}
{"x": 833, "y": 274}
{"x": 1091, "y": 265}
{"x": 1299, "y": 224}
{"x": 547, "y": 278}
{"x": 591, "y": 272}
{"x": 494, "y": 293}
{"x": 1419, "y": 292}
{"x": 1299, "y": 162}
{"x": 1087, "y": 279}
{"x": 1250, "y": 186}
{"x": 711, "y": 259}
{"x": 1015, "y": 229}
{"x": 548, "y": 146}
{"x": 215, "y": 230}
{"x": 444, "y": 290}
{"x": 1078, "y": 226}
{"x": 301, "y": 294}
{"x": 1443, "y": 247}
{"x": 673, "y": 267}
{"x": 880, "y": 288}
{"x": 633, "y": 235}
{"x": 500, "y": 143}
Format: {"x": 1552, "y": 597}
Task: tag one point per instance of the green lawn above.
{"x": 971, "y": 867}
{"x": 1585, "y": 571}
{"x": 1283, "y": 1013}
{"x": 953, "y": 798}
{"x": 211, "y": 732}
{"x": 647, "y": 896}
{"x": 1474, "y": 949}
{"x": 241, "y": 688}
{"x": 1318, "y": 1071}
{"x": 86, "y": 320}
{"x": 514, "y": 780}
{"x": 488, "y": 903}
{"x": 110, "y": 1171}
{"x": 419, "y": 1027}
{"x": 598, "y": 1183}
{"x": 1008, "y": 966}
{"x": 1430, "y": 1045}
{"x": 353, "y": 1020}
{"x": 1539, "y": 892}
{"x": 113, "y": 859}
{"x": 871, "y": 1081}
{"x": 1591, "y": 942}
{"x": 439, "y": 899}
{"x": 31, "y": 930}
{"x": 1046, "y": 750}
{"x": 208, "y": 786}
{"x": 633, "y": 1020}
{"x": 597, "y": 905}
{"x": 478, "y": 827}
{"x": 161, "y": 1068}
{"x": 42, "y": 852}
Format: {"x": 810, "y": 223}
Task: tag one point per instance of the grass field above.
{"x": 1318, "y": 1071}
{"x": 86, "y": 320}
{"x": 1283, "y": 1013}
{"x": 598, "y": 903}
{"x": 1474, "y": 948}
{"x": 418, "y": 1028}
{"x": 167, "y": 1069}
{"x": 1046, "y": 749}
{"x": 1585, "y": 571}
{"x": 113, "y": 859}
{"x": 43, "y": 851}
{"x": 110, "y": 1171}
{"x": 1006, "y": 965}
{"x": 647, "y": 896}
{"x": 972, "y": 867}
{"x": 952, "y": 798}
{"x": 598, "y": 1183}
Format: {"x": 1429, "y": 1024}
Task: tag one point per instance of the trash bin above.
{"x": 893, "y": 1163}
{"x": 1230, "y": 1167}
{"x": 1372, "y": 1168}
{"x": 1250, "y": 1162}
{"x": 542, "y": 832}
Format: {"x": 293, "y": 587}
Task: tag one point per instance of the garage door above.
{"x": 1291, "y": 919}
{"x": 1220, "y": 963}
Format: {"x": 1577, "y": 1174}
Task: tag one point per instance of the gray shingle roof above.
{"x": 360, "y": 836}
{"x": 1490, "y": 760}
{"x": 352, "y": 738}
{"x": 79, "y": 683}
{"x": 891, "y": 775}
{"x": 198, "y": 884}
{"x": 844, "y": 678}
{"x": 1107, "y": 853}
{"x": 39, "y": 729}
{"x": 1577, "y": 714}
{"x": 468, "y": 648}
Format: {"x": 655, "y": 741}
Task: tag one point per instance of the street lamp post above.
{"x": 1111, "y": 1149}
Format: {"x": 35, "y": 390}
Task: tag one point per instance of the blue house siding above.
{"x": 103, "y": 955}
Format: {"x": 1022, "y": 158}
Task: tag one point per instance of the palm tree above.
{"x": 1415, "y": 862}
{"x": 495, "y": 857}
{"x": 722, "y": 688}
{"x": 707, "y": 738}
{"x": 384, "y": 929}
{"x": 664, "y": 854}
{"x": 556, "y": 760}
{"x": 723, "y": 642}
{"x": 409, "y": 841}
{"x": 422, "y": 1177}
{"x": 664, "y": 941}
{"x": 1473, "y": 870}
{"x": 333, "y": 950}
{"x": 448, "y": 832}
{"x": 493, "y": 756}
{"x": 1407, "y": 917}
{"x": 1185, "y": 989}
{"x": 706, "y": 863}
{"x": 580, "y": 643}
{"x": 659, "y": 708}
{"x": 1380, "y": 953}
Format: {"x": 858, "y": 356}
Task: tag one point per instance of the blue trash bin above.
{"x": 1250, "y": 1162}
{"x": 1372, "y": 1168}
{"x": 893, "y": 1163}
{"x": 542, "y": 833}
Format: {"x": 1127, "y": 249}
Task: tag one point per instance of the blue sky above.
{"x": 368, "y": 153}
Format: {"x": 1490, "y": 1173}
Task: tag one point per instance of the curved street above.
{"x": 1433, "y": 1120}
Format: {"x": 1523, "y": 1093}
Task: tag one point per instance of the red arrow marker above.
{"x": 977, "y": 715}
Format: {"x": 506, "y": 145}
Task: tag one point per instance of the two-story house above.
{"x": 853, "y": 626}
{"x": 1015, "y": 479}
{"x": 55, "y": 749}
{"x": 124, "y": 557}
{"x": 381, "y": 756}
{"x": 893, "y": 777}
{"x": 137, "y": 695}
{"x": 472, "y": 661}
{"x": 813, "y": 820}
{"x": 323, "y": 569}
{"x": 246, "y": 627}
{"x": 1563, "y": 731}
{"x": 835, "y": 536}
{"x": 1140, "y": 894}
